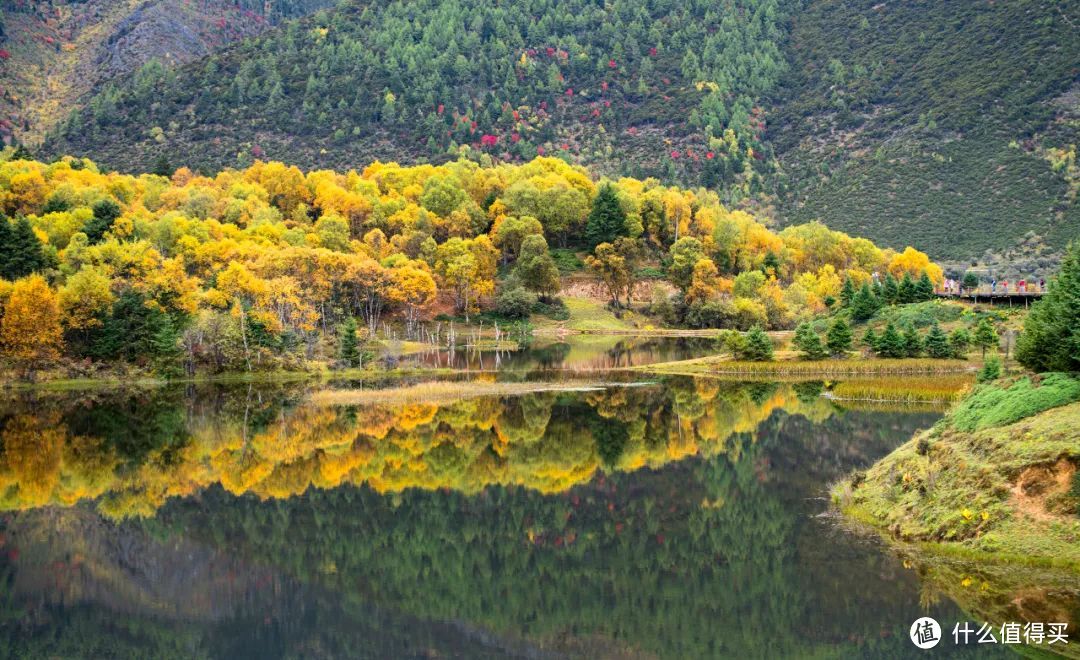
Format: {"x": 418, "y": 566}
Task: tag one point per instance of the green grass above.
{"x": 906, "y": 390}
{"x": 567, "y": 260}
{"x": 587, "y": 315}
{"x": 995, "y": 405}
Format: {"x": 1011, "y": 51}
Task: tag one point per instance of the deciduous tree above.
{"x": 30, "y": 331}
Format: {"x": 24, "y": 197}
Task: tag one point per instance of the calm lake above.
{"x": 681, "y": 518}
{"x": 576, "y": 353}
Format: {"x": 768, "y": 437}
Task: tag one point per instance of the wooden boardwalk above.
{"x": 994, "y": 297}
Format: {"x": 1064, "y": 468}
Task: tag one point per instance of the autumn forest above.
{"x": 536, "y": 328}
{"x": 268, "y": 267}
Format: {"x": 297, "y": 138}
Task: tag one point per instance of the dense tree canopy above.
{"x": 254, "y": 266}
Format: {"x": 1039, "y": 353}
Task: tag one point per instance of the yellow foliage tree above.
{"x": 30, "y": 332}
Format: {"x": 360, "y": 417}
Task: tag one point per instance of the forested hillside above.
{"x": 950, "y": 124}
{"x": 632, "y": 87}
{"x": 54, "y": 52}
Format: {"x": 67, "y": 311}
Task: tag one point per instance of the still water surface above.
{"x": 684, "y": 519}
{"x": 577, "y": 353}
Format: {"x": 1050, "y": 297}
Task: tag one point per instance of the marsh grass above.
{"x": 442, "y": 391}
{"x": 823, "y": 368}
{"x": 944, "y": 388}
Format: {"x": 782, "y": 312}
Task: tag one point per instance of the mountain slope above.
{"x": 57, "y": 51}
{"x": 932, "y": 121}
{"x": 635, "y": 87}
{"x": 948, "y": 125}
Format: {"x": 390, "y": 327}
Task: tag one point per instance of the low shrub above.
{"x": 566, "y": 260}
{"x": 996, "y": 405}
{"x": 919, "y": 315}
{"x": 516, "y": 303}
{"x": 554, "y": 309}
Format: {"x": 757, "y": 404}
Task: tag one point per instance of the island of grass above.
{"x": 996, "y": 479}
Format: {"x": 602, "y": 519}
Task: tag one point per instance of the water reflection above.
{"x": 679, "y": 520}
{"x": 574, "y": 353}
{"x": 133, "y": 453}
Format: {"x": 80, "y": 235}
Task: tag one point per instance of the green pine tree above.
{"x": 890, "y": 292}
{"x": 838, "y": 339}
{"x": 165, "y": 347}
{"x": 26, "y": 254}
{"x": 959, "y": 340}
{"x": 924, "y": 288}
{"x": 771, "y": 264}
{"x": 937, "y": 343}
{"x": 1051, "y": 337}
{"x": 7, "y": 248}
{"x": 870, "y": 340}
{"x": 106, "y": 212}
{"x": 348, "y": 348}
{"x": 864, "y": 305}
{"x": 607, "y": 220}
{"x": 808, "y": 342}
{"x": 891, "y": 344}
{"x": 759, "y": 347}
{"x": 847, "y": 292}
{"x": 991, "y": 370}
{"x": 985, "y": 335}
{"x": 913, "y": 344}
{"x": 906, "y": 292}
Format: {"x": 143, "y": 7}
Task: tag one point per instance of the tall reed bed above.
{"x": 939, "y": 389}
{"x": 840, "y": 368}
{"x": 442, "y": 391}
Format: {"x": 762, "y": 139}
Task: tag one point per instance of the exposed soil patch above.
{"x": 1039, "y": 485}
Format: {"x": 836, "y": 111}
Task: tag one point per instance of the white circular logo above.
{"x": 925, "y": 633}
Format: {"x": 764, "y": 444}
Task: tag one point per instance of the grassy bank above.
{"x": 788, "y": 364}
{"x": 995, "y": 480}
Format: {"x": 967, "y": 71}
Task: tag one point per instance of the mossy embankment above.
{"x": 996, "y": 479}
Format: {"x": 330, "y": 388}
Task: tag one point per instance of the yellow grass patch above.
{"x": 441, "y": 391}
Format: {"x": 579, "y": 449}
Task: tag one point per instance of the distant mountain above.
{"x": 950, "y": 125}
{"x": 54, "y": 52}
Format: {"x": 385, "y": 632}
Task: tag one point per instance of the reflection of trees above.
{"x": 76, "y": 587}
{"x": 519, "y": 516}
{"x": 698, "y": 559}
{"x": 136, "y": 452}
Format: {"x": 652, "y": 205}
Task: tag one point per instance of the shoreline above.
{"x": 1004, "y": 488}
